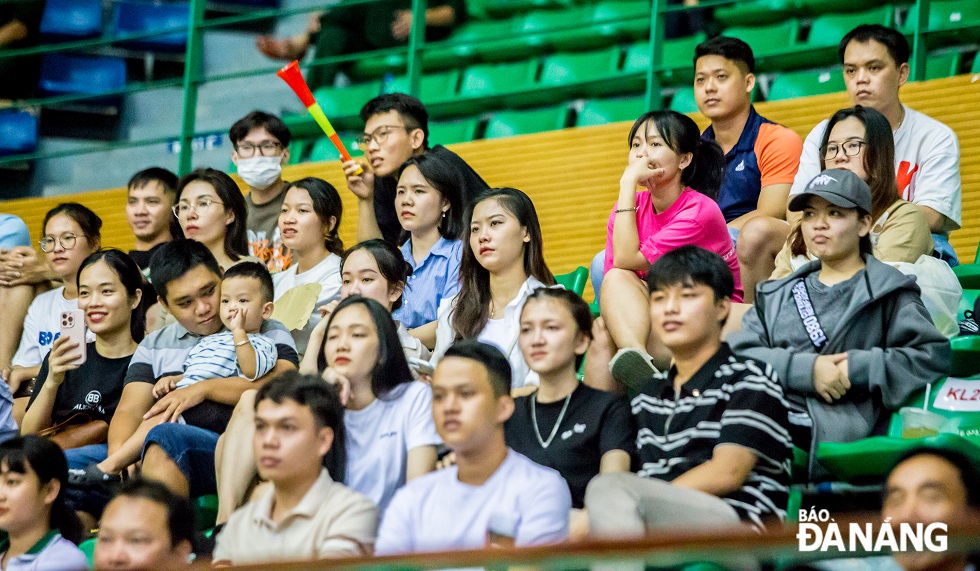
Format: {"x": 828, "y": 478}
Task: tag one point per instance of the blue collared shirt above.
{"x": 435, "y": 279}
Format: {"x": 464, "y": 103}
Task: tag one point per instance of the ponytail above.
{"x": 707, "y": 169}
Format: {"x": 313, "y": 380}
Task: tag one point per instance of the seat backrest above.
{"x": 72, "y": 19}
{"x": 18, "y": 132}
{"x": 574, "y": 280}
{"x": 806, "y": 83}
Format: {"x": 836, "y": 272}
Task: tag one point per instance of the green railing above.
{"x": 194, "y": 76}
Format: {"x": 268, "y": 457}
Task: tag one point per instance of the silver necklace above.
{"x": 554, "y": 431}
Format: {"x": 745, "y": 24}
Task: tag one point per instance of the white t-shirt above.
{"x": 501, "y": 332}
{"x": 379, "y": 437}
{"x": 927, "y": 163}
{"x": 42, "y": 326}
{"x": 327, "y": 274}
{"x": 437, "y": 512}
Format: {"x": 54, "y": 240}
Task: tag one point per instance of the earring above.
{"x": 443, "y": 214}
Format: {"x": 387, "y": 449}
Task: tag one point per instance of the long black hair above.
{"x": 327, "y": 205}
{"x": 682, "y": 135}
{"x": 132, "y": 279}
{"x": 391, "y": 369}
{"x": 236, "y": 239}
{"x": 49, "y": 463}
{"x": 472, "y": 307}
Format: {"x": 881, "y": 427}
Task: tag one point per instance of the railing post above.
{"x": 416, "y": 40}
{"x": 919, "y": 47}
{"x": 653, "y": 99}
{"x": 193, "y": 59}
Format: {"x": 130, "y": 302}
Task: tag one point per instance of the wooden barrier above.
{"x": 572, "y": 175}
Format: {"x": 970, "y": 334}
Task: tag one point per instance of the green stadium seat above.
{"x": 676, "y": 67}
{"x": 88, "y": 548}
{"x": 373, "y": 67}
{"x": 969, "y": 275}
{"x": 795, "y": 84}
{"x": 622, "y": 19}
{"x": 297, "y": 149}
{"x": 470, "y": 42}
{"x": 496, "y": 80}
{"x": 683, "y": 101}
{"x": 966, "y": 355}
{"x": 346, "y": 102}
{"x": 603, "y": 111}
{"x": 976, "y": 69}
{"x": 949, "y": 21}
{"x": 574, "y": 280}
{"x": 512, "y": 123}
{"x": 819, "y": 7}
{"x": 586, "y": 73}
{"x": 561, "y": 30}
{"x": 752, "y": 12}
{"x": 940, "y": 65}
{"x": 433, "y": 87}
{"x": 871, "y": 458}
{"x": 205, "y": 511}
{"x": 775, "y": 46}
{"x": 499, "y": 8}
{"x": 323, "y": 149}
{"x": 826, "y": 31}
{"x": 449, "y": 132}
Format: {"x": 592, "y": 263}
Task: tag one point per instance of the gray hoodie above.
{"x": 893, "y": 349}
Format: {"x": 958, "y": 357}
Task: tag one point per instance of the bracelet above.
{"x": 634, "y": 209}
{"x": 240, "y": 343}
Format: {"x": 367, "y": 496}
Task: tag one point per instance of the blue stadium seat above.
{"x": 134, "y": 17}
{"x": 71, "y": 19}
{"x": 18, "y": 132}
{"x": 63, "y": 74}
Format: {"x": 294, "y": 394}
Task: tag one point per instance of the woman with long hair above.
{"x": 502, "y": 265}
{"x": 42, "y": 532}
{"x": 860, "y": 139}
{"x": 70, "y": 233}
{"x": 211, "y": 209}
{"x": 680, "y": 176}
{"x": 308, "y": 223}
{"x": 110, "y": 287}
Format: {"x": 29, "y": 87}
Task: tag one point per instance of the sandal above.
{"x": 91, "y": 477}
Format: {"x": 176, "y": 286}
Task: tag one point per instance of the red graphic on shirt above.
{"x": 904, "y": 176}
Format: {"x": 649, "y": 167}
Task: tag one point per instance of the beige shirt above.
{"x": 330, "y": 521}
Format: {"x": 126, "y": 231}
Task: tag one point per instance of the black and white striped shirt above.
{"x": 730, "y": 400}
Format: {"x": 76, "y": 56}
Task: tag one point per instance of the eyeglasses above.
{"x": 67, "y": 241}
{"x": 850, "y": 148}
{"x": 266, "y": 149}
{"x": 379, "y": 136}
{"x": 199, "y": 207}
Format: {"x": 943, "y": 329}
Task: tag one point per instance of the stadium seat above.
{"x": 819, "y": 7}
{"x": 449, "y": 132}
{"x": 205, "y": 511}
{"x": 501, "y": 8}
{"x": 622, "y": 19}
{"x": 88, "y": 548}
{"x": 63, "y": 74}
{"x": 976, "y": 69}
{"x": 586, "y": 73}
{"x": 752, "y": 12}
{"x": 495, "y": 80}
{"x": 775, "y": 46}
{"x": 561, "y": 30}
{"x": 433, "y": 87}
{"x": 940, "y": 65}
{"x": 18, "y": 132}
{"x": 969, "y": 275}
{"x": 574, "y": 280}
{"x": 683, "y": 101}
{"x": 324, "y": 150}
{"x": 871, "y": 458}
{"x": 603, "y": 111}
{"x": 134, "y": 17}
{"x": 511, "y": 123}
{"x": 676, "y": 66}
{"x": 827, "y": 30}
{"x": 949, "y": 21}
{"x": 493, "y": 40}
{"x": 806, "y": 83}
{"x": 346, "y": 101}
{"x": 71, "y": 19}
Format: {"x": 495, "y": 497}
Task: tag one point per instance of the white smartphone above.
{"x": 421, "y": 366}
{"x": 73, "y": 327}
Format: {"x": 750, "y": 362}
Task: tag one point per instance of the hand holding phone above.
{"x": 73, "y": 328}
{"x": 421, "y": 366}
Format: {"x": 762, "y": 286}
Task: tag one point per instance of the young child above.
{"x": 246, "y": 302}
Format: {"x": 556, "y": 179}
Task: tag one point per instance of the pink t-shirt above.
{"x": 692, "y": 219}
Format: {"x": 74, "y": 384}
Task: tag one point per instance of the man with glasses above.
{"x": 927, "y": 153}
{"x": 396, "y": 128}
{"x": 261, "y": 148}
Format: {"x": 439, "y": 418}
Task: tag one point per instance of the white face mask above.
{"x": 260, "y": 172}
